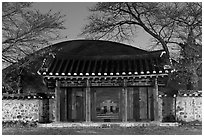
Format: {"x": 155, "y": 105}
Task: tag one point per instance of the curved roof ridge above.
{"x": 87, "y": 40}
{"x": 94, "y": 48}
{"x": 152, "y": 54}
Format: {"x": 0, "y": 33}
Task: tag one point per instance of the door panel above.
{"x": 71, "y": 105}
{"x": 79, "y": 108}
{"x": 136, "y": 105}
{"x": 143, "y": 103}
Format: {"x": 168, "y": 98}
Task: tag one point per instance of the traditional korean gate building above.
{"x": 105, "y": 81}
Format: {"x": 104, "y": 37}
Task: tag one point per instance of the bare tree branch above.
{"x": 23, "y": 28}
{"x": 168, "y": 23}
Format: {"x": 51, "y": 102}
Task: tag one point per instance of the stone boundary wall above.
{"x": 183, "y": 108}
{"x": 21, "y": 110}
{"x": 39, "y": 110}
{"x": 189, "y": 109}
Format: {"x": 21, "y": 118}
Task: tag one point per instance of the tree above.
{"x": 189, "y": 32}
{"x": 170, "y": 24}
{"x": 24, "y": 31}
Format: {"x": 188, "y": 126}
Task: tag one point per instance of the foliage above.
{"x": 172, "y": 25}
{"x": 119, "y": 21}
{"x": 25, "y": 31}
{"x": 30, "y": 80}
{"x": 189, "y": 31}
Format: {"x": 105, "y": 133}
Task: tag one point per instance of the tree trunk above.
{"x": 19, "y": 80}
{"x": 156, "y": 36}
{"x": 19, "y": 84}
{"x": 193, "y": 81}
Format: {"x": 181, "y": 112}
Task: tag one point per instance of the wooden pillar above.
{"x": 88, "y": 102}
{"x": 124, "y": 105}
{"x": 73, "y": 96}
{"x": 65, "y": 105}
{"x": 62, "y": 104}
{"x": 93, "y": 105}
{"x": 57, "y": 102}
{"x": 41, "y": 111}
{"x": 147, "y": 98}
{"x": 130, "y": 104}
{"x": 150, "y": 104}
{"x": 120, "y": 104}
{"x": 95, "y": 115}
{"x": 156, "y": 99}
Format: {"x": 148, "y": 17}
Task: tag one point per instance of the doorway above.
{"x": 72, "y": 107}
{"x": 106, "y": 104}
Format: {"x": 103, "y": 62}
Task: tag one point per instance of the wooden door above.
{"x": 79, "y": 108}
{"x": 136, "y": 105}
{"x": 69, "y": 104}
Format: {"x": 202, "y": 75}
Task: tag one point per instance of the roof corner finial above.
{"x": 163, "y": 52}
{"x": 52, "y": 54}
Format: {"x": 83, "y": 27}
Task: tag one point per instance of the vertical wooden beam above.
{"x": 150, "y": 106}
{"x": 65, "y": 105}
{"x": 120, "y": 104}
{"x": 62, "y": 104}
{"x": 51, "y": 109}
{"x": 156, "y": 99}
{"x": 73, "y": 96}
{"x": 130, "y": 104}
{"x": 93, "y": 104}
{"x": 57, "y": 101}
{"x": 84, "y": 101}
{"x": 147, "y": 103}
{"x": 124, "y": 105}
{"x": 160, "y": 117}
{"x": 88, "y": 102}
{"x": 69, "y": 102}
{"x": 40, "y": 111}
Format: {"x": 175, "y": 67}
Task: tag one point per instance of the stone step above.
{"x": 106, "y": 124}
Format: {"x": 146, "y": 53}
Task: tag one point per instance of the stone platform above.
{"x": 105, "y": 124}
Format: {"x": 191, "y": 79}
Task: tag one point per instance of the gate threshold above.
{"x": 106, "y": 124}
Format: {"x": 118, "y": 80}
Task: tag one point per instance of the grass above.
{"x": 149, "y": 130}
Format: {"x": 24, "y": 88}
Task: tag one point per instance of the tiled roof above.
{"x": 95, "y": 48}
{"x": 27, "y": 96}
{"x": 186, "y": 93}
{"x": 151, "y": 63}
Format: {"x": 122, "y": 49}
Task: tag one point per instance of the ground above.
{"x": 149, "y": 130}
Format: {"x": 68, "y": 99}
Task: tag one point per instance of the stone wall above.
{"x": 189, "y": 108}
{"x": 52, "y": 109}
{"x": 184, "y": 108}
{"x": 28, "y": 107}
{"x": 23, "y": 110}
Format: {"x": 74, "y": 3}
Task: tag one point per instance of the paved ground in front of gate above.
{"x": 149, "y": 130}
